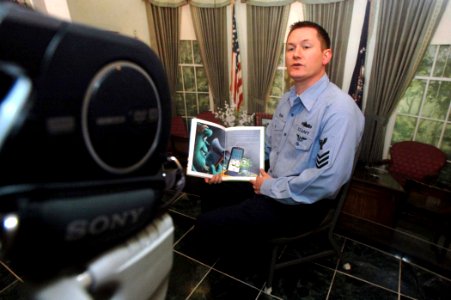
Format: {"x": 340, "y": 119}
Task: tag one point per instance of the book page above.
{"x": 206, "y": 148}
{"x": 244, "y": 152}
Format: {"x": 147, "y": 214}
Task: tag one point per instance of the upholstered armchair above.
{"x": 416, "y": 161}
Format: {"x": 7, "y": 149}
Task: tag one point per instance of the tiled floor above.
{"x": 373, "y": 274}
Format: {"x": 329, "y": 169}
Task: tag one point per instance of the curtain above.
{"x": 265, "y": 31}
{"x": 285, "y": 2}
{"x": 165, "y": 30}
{"x": 336, "y": 19}
{"x": 210, "y": 26}
{"x": 404, "y": 30}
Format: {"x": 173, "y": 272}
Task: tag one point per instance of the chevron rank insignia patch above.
{"x": 322, "y": 159}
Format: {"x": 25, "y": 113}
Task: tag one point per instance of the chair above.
{"x": 416, "y": 161}
{"x": 178, "y": 127}
{"x": 262, "y": 119}
{"x": 416, "y": 166}
{"x": 325, "y": 230}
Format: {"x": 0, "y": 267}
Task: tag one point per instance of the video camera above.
{"x": 84, "y": 124}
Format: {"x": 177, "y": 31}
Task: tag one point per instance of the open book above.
{"x": 236, "y": 152}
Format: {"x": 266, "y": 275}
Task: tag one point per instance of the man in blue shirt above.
{"x": 311, "y": 143}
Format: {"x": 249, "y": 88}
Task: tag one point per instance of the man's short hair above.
{"x": 322, "y": 33}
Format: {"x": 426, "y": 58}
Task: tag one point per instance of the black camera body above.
{"x": 81, "y": 164}
{"x": 100, "y": 105}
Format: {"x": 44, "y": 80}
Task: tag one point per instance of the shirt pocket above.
{"x": 277, "y": 126}
{"x": 301, "y": 137}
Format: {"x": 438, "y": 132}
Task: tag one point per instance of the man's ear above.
{"x": 327, "y": 56}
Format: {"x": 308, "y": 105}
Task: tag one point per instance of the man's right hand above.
{"x": 215, "y": 179}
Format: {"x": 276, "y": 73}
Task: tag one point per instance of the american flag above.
{"x": 236, "y": 87}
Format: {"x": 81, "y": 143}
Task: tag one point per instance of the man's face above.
{"x": 304, "y": 57}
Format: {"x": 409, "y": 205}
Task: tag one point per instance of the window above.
{"x": 281, "y": 84}
{"x": 192, "y": 94}
{"x": 424, "y": 112}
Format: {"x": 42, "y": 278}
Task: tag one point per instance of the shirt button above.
{"x": 292, "y": 114}
{"x": 285, "y": 134}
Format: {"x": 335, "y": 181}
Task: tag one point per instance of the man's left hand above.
{"x": 257, "y": 183}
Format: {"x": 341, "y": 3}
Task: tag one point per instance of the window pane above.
{"x": 288, "y": 81}
{"x": 410, "y": 103}
{"x": 204, "y": 102}
{"x": 202, "y": 83}
{"x": 424, "y": 69}
{"x": 437, "y": 100}
{"x": 185, "y": 54}
{"x": 179, "y": 86}
{"x": 429, "y": 132}
{"x": 277, "y": 88}
{"x": 191, "y": 80}
{"x": 197, "y": 57}
{"x": 271, "y": 104}
{"x": 188, "y": 78}
{"x": 404, "y": 128}
{"x": 179, "y": 104}
{"x": 446, "y": 142}
{"x": 281, "y": 62}
{"x": 191, "y": 104}
{"x": 279, "y": 84}
{"x": 443, "y": 64}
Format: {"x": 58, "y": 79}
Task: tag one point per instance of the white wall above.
{"x": 56, "y": 8}
{"x": 187, "y": 29}
{"x": 443, "y": 33}
{"x": 126, "y": 17}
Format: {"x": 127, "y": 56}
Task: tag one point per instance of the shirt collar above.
{"x": 309, "y": 96}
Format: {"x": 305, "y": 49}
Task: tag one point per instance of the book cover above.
{"x": 236, "y": 152}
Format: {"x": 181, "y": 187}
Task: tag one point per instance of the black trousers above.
{"x": 250, "y": 222}
{"x": 214, "y": 196}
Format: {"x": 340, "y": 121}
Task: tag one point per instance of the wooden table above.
{"x": 373, "y": 195}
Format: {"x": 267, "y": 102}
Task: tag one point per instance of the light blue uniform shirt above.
{"x": 311, "y": 143}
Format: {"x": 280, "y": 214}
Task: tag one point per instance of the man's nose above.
{"x": 297, "y": 52}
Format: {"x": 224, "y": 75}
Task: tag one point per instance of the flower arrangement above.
{"x": 230, "y": 116}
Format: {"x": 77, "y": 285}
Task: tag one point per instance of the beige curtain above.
{"x": 164, "y": 17}
{"x": 265, "y": 33}
{"x": 284, "y": 2}
{"x": 210, "y": 26}
{"x": 404, "y": 31}
{"x": 336, "y": 19}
